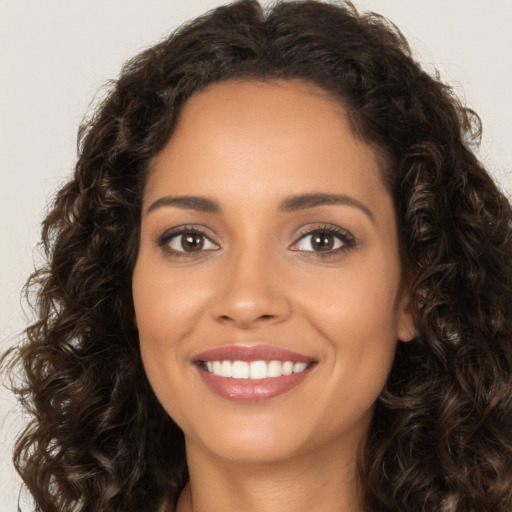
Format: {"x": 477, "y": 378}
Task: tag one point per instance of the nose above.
{"x": 251, "y": 294}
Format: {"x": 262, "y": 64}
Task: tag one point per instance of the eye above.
{"x": 326, "y": 240}
{"x": 186, "y": 241}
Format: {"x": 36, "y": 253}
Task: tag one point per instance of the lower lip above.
{"x": 247, "y": 390}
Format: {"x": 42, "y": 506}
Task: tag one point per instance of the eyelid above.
{"x": 347, "y": 239}
{"x": 164, "y": 239}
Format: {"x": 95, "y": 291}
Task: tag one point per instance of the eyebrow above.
{"x": 197, "y": 203}
{"x": 305, "y": 201}
{"x": 289, "y": 204}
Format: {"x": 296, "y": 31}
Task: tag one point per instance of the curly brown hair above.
{"x": 441, "y": 438}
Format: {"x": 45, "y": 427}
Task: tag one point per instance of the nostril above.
{"x": 261, "y": 317}
{"x": 245, "y": 322}
{"x": 245, "y": 312}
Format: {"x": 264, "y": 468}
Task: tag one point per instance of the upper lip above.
{"x": 251, "y": 353}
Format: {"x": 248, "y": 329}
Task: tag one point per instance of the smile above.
{"x": 255, "y": 370}
{"x": 252, "y": 374}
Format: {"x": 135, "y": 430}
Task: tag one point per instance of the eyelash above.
{"x": 346, "y": 238}
{"x": 164, "y": 240}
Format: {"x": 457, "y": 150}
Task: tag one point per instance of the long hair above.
{"x": 441, "y": 437}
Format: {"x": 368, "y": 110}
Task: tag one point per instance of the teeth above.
{"x": 287, "y": 368}
{"x": 226, "y": 369}
{"x": 217, "y": 367}
{"x": 239, "y": 369}
{"x": 275, "y": 369}
{"x": 254, "y": 370}
{"x": 258, "y": 370}
{"x": 299, "y": 367}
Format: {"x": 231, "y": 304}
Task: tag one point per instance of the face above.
{"x": 267, "y": 289}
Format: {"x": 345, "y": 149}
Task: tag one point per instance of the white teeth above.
{"x": 287, "y": 368}
{"x": 258, "y": 370}
{"x": 299, "y": 367}
{"x": 226, "y": 369}
{"x": 239, "y": 370}
{"x": 254, "y": 370}
{"x": 217, "y": 367}
{"x": 275, "y": 369}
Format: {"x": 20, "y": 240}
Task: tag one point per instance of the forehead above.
{"x": 239, "y": 137}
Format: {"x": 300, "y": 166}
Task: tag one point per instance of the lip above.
{"x": 251, "y": 353}
{"x": 247, "y": 390}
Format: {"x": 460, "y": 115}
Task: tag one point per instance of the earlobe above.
{"x": 406, "y": 328}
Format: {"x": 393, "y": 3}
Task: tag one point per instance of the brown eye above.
{"x": 192, "y": 242}
{"x": 187, "y": 242}
{"x": 322, "y": 241}
{"x": 326, "y": 240}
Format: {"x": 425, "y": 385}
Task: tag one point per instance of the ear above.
{"x": 406, "y": 328}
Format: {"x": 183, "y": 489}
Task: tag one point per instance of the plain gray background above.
{"x": 56, "y": 54}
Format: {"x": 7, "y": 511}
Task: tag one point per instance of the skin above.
{"x": 259, "y": 280}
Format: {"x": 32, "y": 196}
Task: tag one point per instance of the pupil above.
{"x": 322, "y": 242}
{"x": 192, "y": 242}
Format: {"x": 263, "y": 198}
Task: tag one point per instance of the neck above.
{"x": 324, "y": 480}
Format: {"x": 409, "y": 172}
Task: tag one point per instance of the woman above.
{"x": 279, "y": 279}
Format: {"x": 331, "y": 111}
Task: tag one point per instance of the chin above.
{"x": 253, "y": 447}
{"x": 248, "y": 438}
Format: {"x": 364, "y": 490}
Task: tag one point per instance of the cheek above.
{"x": 160, "y": 308}
{"x": 357, "y": 303}
{"x": 355, "y": 314}
{"x": 166, "y": 305}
